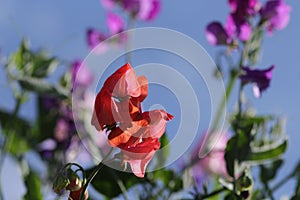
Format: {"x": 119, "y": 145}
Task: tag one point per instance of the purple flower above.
{"x": 82, "y": 79}
{"x": 47, "y": 148}
{"x": 62, "y": 130}
{"x": 149, "y": 9}
{"x": 260, "y": 78}
{"x": 243, "y": 7}
{"x": 50, "y": 102}
{"x": 94, "y": 37}
{"x": 216, "y": 34}
{"x": 115, "y": 25}
{"x": 238, "y": 27}
{"x": 276, "y": 14}
{"x": 142, "y": 9}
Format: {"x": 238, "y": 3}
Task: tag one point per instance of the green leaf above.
{"x": 36, "y": 64}
{"x": 33, "y": 185}
{"x": 16, "y": 144}
{"x": 43, "y": 66}
{"x": 163, "y": 153}
{"x": 269, "y": 171}
{"x": 17, "y": 132}
{"x": 237, "y": 148}
{"x": 42, "y": 87}
{"x": 271, "y": 153}
{"x": 46, "y": 121}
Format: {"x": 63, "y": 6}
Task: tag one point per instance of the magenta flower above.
{"x": 94, "y": 37}
{"x": 216, "y": 34}
{"x": 149, "y": 9}
{"x": 276, "y": 14}
{"x": 115, "y": 25}
{"x": 243, "y": 7}
{"x": 238, "y": 27}
{"x": 84, "y": 78}
{"x": 260, "y": 78}
{"x": 146, "y": 10}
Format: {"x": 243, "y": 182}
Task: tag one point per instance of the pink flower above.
{"x": 237, "y": 27}
{"x": 115, "y": 25}
{"x": 84, "y": 78}
{"x": 213, "y": 163}
{"x": 146, "y": 10}
{"x": 276, "y": 14}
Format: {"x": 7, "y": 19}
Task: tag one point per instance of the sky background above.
{"x": 60, "y": 27}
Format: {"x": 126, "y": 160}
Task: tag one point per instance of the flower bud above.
{"x": 60, "y": 183}
{"x": 75, "y": 182}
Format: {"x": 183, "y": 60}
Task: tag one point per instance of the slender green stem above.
{"x": 94, "y": 173}
{"x": 282, "y": 182}
{"x": 5, "y": 142}
{"x": 213, "y": 193}
{"x": 233, "y": 76}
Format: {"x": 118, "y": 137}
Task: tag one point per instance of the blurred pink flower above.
{"x": 146, "y": 10}
{"x": 213, "y": 163}
{"x": 115, "y": 25}
{"x": 276, "y": 14}
{"x": 84, "y": 78}
{"x": 238, "y": 27}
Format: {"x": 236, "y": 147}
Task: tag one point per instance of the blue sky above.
{"x": 59, "y": 26}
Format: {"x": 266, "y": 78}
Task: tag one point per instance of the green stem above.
{"x": 5, "y": 143}
{"x": 233, "y": 76}
{"x": 94, "y": 173}
{"x": 213, "y": 193}
{"x": 282, "y": 182}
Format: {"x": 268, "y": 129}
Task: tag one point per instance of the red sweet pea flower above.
{"x": 139, "y": 154}
{"x": 152, "y": 124}
{"x": 118, "y": 110}
{"x": 119, "y": 97}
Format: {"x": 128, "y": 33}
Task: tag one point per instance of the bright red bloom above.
{"x": 152, "y": 124}
{"x": 119, "y": 98}
{"x": 138, "y": 152}
{"x": 118, "y": 110}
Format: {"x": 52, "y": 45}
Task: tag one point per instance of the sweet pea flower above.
{"x": 213, "y": 163}
{"x": 149, "y": 9}
{"x": 217, "y": 35}
{"x": 82, "y": 79}
{"x": 115, "y": 25}
{"x": 116, "y": 100}
{"x": 243, "y": 7}
{"x": 146, "y": 10}
{"x": 260, "y": 78}
{"x": 238, "y": 27}
{"x": 118, "y": 112}
{"x": 276, "y": 15}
